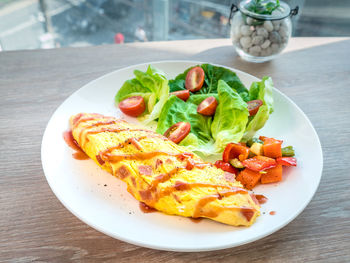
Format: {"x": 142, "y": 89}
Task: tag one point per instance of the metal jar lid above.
{"x": 281, "y": 12}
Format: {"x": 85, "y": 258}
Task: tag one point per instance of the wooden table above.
{"x": 34, "y": 225}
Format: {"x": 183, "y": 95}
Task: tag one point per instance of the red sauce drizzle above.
{"x": 71, "y": 142}
{"x": 196, "y": 220}
{"x": 272, "y": 213}
{"x": 192, "y": 164}
{"x": 201, "y": 203}
{"x": 137, "y": 156}
{"x": 80, "y": 156}
{"x": 146, "y": 209}
{"x": 100, "y": 161}
{"x": 79, "y": 119}
{"x": 96, "y": 124}
{"x": 136, "y": 143}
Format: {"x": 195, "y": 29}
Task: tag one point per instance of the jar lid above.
{"x": 279, "y": 13}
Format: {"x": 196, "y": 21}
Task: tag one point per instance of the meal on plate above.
{"x": 204, "y": 112}
{"x": 162, "y": 174}
{"x": 208, "y": 110}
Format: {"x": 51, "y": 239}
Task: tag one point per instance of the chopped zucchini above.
{"x": 288, "y": 151}
{"x": 236, "y": 163}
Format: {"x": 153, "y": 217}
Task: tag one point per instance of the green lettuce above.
{"x": 209, "y": 134}
{"x": 261, "y": 90}
{"x": 231, "y": 117}
{"x": 212, "y": 76}
{"x": 152, "y": 85}
{"x": 176, "y": 110}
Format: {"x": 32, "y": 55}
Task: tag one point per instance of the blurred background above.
{"x": 32, "y": 24}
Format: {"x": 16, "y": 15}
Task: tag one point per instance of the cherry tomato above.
{"x": 194, "y": 79}
{"x": 287, "y": 161}
{"x": 133, "y": 106}
{"x": 259, "y": 163}
{"x": 253, "y": 106}
{"x": 181, "y": 94}
{"x": 208, "y": 106}
{"x": 178, "y": 131}
{"x": 235, "y": 150}
{"x": 226, "y": 167}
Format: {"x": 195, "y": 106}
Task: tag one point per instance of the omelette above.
{"x": 162, "y": 174}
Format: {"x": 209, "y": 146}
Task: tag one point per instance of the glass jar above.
{"x": 260, "y": 37}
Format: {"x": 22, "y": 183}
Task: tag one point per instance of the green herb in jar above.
{"x": 263, "y": 7}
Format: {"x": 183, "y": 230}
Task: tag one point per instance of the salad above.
{"x": 208, "y": 110}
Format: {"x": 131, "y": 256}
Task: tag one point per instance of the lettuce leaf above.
{"x": 231, "y": 117}
{"x": 261, "y": 90}
{"x": 152, "y": 85}
{"x": 176, "y": 110}
{"x": 256, "y": 123}
{"x": 212, "y": 76}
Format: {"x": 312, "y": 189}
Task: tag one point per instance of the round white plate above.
{"x": 101, "y": 200}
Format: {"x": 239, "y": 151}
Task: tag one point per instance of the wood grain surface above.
{"x": 34, "y": 225}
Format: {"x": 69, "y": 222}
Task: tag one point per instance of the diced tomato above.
{"x": 259, "y": 163}
{"x": 226, "y": 167}
{"x": 133, "y": 106}
{"x": 208, "y": 106}
{"x": 182, "y": 94}
{"x": 178, "y": 131}
{"x": 249, "y": 178}
{"x": 287, "y": 161}
{"x": 194, "y": 79}
{"x": 272, "y": 175}
{"x": 253, "y": 106}
{"x": 262, "y": 138}
{"x": 235, "y": 150}
{"x": 272, "y": 147}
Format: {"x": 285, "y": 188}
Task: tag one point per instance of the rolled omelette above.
{"x": 162, "y": 174}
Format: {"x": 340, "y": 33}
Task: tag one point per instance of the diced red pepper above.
{"x": 259, "y": 163}
{"x": 235, "y": 150}
{"x": 287, "y": 161}
{"x": 226, "y": 167}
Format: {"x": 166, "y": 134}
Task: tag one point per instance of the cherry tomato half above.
{"x": 226, "y": 167}
{"x": 133, "y": 106}
{"x": 181, "y": 94}
{"x": 178, "y": 131}
{"x": 194, "y": 79}
{"x": 235, "y": 150}
{"x": 259, "y": 163}
{"x": 208, "y": 106}
{"x": 287, "y": 161}
{"x": 253, "y": 106}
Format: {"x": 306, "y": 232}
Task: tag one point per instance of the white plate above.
{"x": 101, "y": 201}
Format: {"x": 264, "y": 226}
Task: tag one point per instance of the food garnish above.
{"x": 132, "y": 106}
{"x": 181, "y": 94}
{"x": 178, "y": 131}
{"x": 208, "y": 106}
{"x": 194, "y": 79}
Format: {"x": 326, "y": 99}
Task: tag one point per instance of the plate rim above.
{"x": 182, "y": 249}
